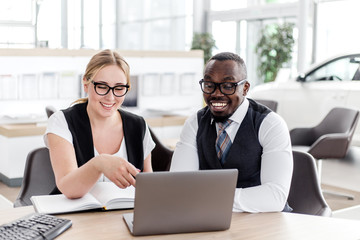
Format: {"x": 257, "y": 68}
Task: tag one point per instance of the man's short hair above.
{"x": 224, "y": 56}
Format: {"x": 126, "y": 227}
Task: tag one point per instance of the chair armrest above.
{"x": 302, "y": 136}
{"x": 334, "y": 145}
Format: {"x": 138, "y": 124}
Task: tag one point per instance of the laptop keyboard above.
{"x": 35, "y": 226}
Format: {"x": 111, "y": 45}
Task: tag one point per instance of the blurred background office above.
{"x": 321, "y": 29}
{"x": 302, "y": 31}
{"x": 268, "y": 34}
{"x": 45, "y": 45}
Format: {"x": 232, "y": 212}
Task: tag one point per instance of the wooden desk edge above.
{"x": 21, "y": 130}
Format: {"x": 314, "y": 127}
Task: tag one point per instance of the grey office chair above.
{"x": 357, "y": 74}
{"x": 268, "y": 103}
{"x": 305, "y": 194}
{"x": 38, "y": 177}
{"x": 330, "y": 139}
{"x": 160, "y": 155}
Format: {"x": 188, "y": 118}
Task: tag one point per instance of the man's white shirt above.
{"x": 276, "y": 161}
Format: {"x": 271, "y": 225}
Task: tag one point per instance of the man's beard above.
{"x": 221, "y": 118}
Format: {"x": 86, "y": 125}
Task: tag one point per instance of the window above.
{"x": 108, "y": 37}
{"x": 343, "y": 69}
{"x": 16, "y": 11}
{"x": 155, "y": 24}
{"x": 97, "y": 24}
{"x": 337, "y": 30}
{"x": 49, "y": 23}
{"x": 225, "y": 35}
{"x": 91, "y": 24}
{"x": 17, "y": 36}
{"x": 17, "y": 24}
{"x": 223, "y": 5}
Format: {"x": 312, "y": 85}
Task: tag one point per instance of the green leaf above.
{"x": 205, "y": 42}
{"x": 274, "y": 49}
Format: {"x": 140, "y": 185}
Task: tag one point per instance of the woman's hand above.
{"x": 118, "y": 170}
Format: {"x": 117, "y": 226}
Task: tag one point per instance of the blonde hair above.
{"x": 100, "y": 60}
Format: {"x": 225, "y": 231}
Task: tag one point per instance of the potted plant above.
{"x": 205, "y": 42}
{"x": 274, "y": 49}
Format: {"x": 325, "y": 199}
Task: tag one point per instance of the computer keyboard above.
{"x": 35, "y": 226}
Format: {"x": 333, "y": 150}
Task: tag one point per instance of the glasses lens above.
{"x": 227, "y": 88}
{"x": 207, "y": 87}
{"x": 101, "y": 89}
{"x": 120, "y": 91}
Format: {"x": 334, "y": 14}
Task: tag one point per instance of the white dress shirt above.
{"x": 57, "y": 125}
{"x": 276, "y": 161}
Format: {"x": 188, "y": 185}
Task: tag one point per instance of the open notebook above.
{"x": 178, "y": 202}
{"x": 104, "y": 195}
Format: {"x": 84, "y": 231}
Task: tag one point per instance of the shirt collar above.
{"x": 240, "y": 112}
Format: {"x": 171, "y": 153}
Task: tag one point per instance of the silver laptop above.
{"x": 179, "y": 202}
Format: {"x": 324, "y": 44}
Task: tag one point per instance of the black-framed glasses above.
{"x": 102, "y": 89}
{"x": 226, "y": 88}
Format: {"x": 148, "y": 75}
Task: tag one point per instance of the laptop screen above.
{"x": 175, "y": 202}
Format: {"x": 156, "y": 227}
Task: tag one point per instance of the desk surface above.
{"x": 21, "y": 130}
{"x": 287, "y": 226}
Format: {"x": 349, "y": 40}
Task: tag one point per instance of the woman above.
{"x": 95, "y": 141}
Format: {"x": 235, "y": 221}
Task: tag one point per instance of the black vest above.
{"x": 79, "y": 125}
{"x": 245, "y": 152}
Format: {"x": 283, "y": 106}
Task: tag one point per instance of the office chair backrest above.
{"x": 357, "y": 74}
{"x": 38, "y": 177}
{"x": 305, "y": 194}
{"x": 331, "y": 138}
{"x": 160, "y": 155}
{"x": 338, "y": 120}
{"x": 268, "y": 103}
{"x": 49, "y": 110}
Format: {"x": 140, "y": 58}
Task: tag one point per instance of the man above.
{"x": 257, "y": 139}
